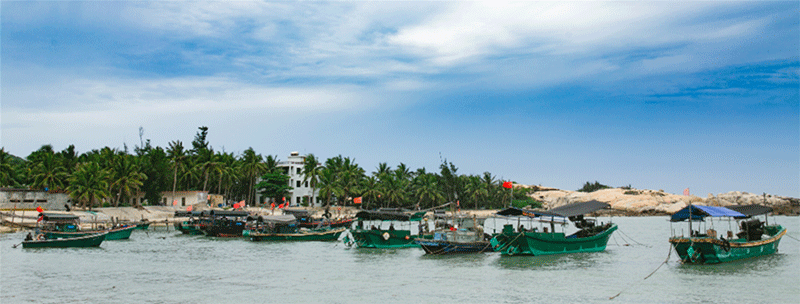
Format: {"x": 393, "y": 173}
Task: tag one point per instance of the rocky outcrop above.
{"x": 651, "y": 202}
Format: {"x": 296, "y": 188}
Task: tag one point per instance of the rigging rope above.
{"x": 630, "y": 238}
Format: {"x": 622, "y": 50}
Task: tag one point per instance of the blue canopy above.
{"x": 700, "y": 212}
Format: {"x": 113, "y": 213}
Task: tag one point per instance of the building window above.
{"x": 183, "y": 201}
{"x": 298, "y": 171}
{"x": 165, "y": 201}
{"x": 298, "y": 184}
{"x": 306, "y": 184}
{"x": 298, "y": 200}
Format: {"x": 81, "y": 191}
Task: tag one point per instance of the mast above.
{"x": 690, "y": 219}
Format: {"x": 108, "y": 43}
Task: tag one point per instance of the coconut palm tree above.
{"x": 253, "y": 167}
{"x": 126, "y": 178}
{"x": 311, "y": 169}
{"x": 426, "y": 190}
{"x": 371, "y": 191}
{"x": 88, "y": 183}
{"x": 177, "y": 158}
{"x": 6, "y": 169}
{"x": 47, "y": 173}
{"x": 328, "y": 187}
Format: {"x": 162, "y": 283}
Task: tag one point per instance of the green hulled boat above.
{"x": 375, "y": 237}
{"x": 193, "y": 225}
{"x": 92, "y": 240}
{"x": 754, "y": 239}
{"x": 322, "y": 234}
{"x": 121, "y": 233}
{"x": 589, "y": 238}
{"x": 60, "y": 225}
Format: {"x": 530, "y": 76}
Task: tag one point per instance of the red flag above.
{"x": 273, "y": 205}
{"x": 280, "y": 206}
{"x": 507, "y": 185}
{"x": 236, "y": 206}
{"x": 357, "y": 200}
{"x": 284, "y": 198}
{"x": 41, "y": 217}
{"x": 175, "y": 202}
{"x": 686, "y": 191}
{"x": 458, "y": 203}
{"x": 189, "y": 208}
{"x": 39, "y": 209}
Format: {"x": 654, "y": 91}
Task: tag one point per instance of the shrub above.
{"x": 589, "y": 187}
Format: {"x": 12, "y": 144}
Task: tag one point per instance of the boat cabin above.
{"x": 59, "y": 222}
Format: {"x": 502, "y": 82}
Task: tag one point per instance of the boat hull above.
{"x": 333, "y": 224}
{"x": 447, "y": 247}
{"x": 709, "y": 250}
{"x": 112, "y": 234}
{"x": 543, "y": 243}
{"x": 188, "y": 228}
{"x": 92, "y": 240}
{"x": 327, "y": 235}
{"x": 224, "y": 230}
{"x": 382, "y": 239}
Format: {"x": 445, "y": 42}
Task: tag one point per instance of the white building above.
{"x": 301, "y": 190}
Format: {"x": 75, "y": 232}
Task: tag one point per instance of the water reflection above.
{"x": 555, "y": 261}
{"x": 740, "y": 267}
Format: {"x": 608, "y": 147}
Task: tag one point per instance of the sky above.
{"x": 655, "y": 95}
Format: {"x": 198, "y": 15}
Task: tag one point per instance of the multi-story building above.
{"x": 301, "y": 190}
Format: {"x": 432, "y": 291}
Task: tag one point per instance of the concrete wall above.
{"x": 30, "y": 199}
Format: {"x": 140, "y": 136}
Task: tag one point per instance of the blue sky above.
{"x": 658, "y": 95}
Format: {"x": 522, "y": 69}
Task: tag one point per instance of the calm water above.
{"x": 166, "y": 267}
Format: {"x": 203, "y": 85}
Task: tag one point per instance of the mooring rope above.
{"x": 630, "y": 238}
{"x": 645, "y": 278}
{"x": 791, "y": 237}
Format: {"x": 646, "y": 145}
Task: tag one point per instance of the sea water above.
{"x": 160, "y": 266}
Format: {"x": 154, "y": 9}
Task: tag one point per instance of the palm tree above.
{"x": 89, "y": 182}
{"x": 328, "y": 187}
{"x": 349, "y": 177}
{"x": 126, "y": 178}
{"x": 207, "y": 165}
{"x": 311, "y": 169}
{"x": 6, "y": 169}
{"x": 370, "y": 190}
{"x": 475, "y": 189}
{"x": 427, "y": 190}
{"x": 177, "y": 157}
{"x": 253, "y": 167}
{"x": 47, "y": 172}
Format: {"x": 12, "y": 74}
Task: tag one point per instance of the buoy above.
{"x": 386, "y": 236}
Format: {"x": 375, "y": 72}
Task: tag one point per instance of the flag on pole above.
{"x": 686, "y": 191}
{"x": 507, "y": 185}
{"x": 41, "y": 217}
{"x": 189, "y": 208}
{"x": 273, "y": 206}
{"x": 357, "y": 200}
{"x": 39, "y": 209}
{"x": 175, "y": 202}
{"x": 236, "y": 206}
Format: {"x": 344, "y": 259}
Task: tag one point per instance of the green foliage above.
{"x": 274, "y": 185}
{"x": 628, "y": 187}
{"x": 589, "y": 187}
{"x": 524, "y": 203}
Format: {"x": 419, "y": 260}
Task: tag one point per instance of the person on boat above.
{"x": 373, "y": 228}
{"x": 391, "y": 227}
{"x": 29, "y": 237}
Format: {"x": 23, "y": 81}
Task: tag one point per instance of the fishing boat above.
{"x": 306, "y": 220}
{"x": 223, "y": 223}
{"x": 378, "y": 237}
{"x": 285, "y": 228}
{"x": 459, "y": 235}
{"x": 92, "y": 240}
{"x": 59, "y": 225}
{"x": 590, "y": 237}
{"x": 142, "y": 225}
{"x": 193, "y": 224}
{"x": 754, "y": 239}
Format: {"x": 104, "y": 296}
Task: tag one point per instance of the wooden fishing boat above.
{"x": 306, "y": 220}
{"x": 92, "y": 240}
{"x": 193, "y": 224}
{"x": 144, "y": 225}
{"x": 223, "y": 223}
{"x": 755, "y": 238}
{"x": 286, "y": 228}
{"x": 590, "y": 237}
{"x": 459, "y": 235}
{"x": 59, "y": 225}
{"x": 375, "y": 237}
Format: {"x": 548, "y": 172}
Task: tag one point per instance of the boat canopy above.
{"x": 298, "y": 213}
{"x": 282, "y": 219}
{"x": 389, "y": 216}
{"x": 58, "y": 217}
{"x": 225, "y": 213}
{"x": 750, "y": 210}
{"x": 576, "y": 209}
{"x": 514, "y": 211}
{"x": 700, "y": 212}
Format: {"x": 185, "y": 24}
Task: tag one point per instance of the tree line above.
{"x": 111, "y": 177}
